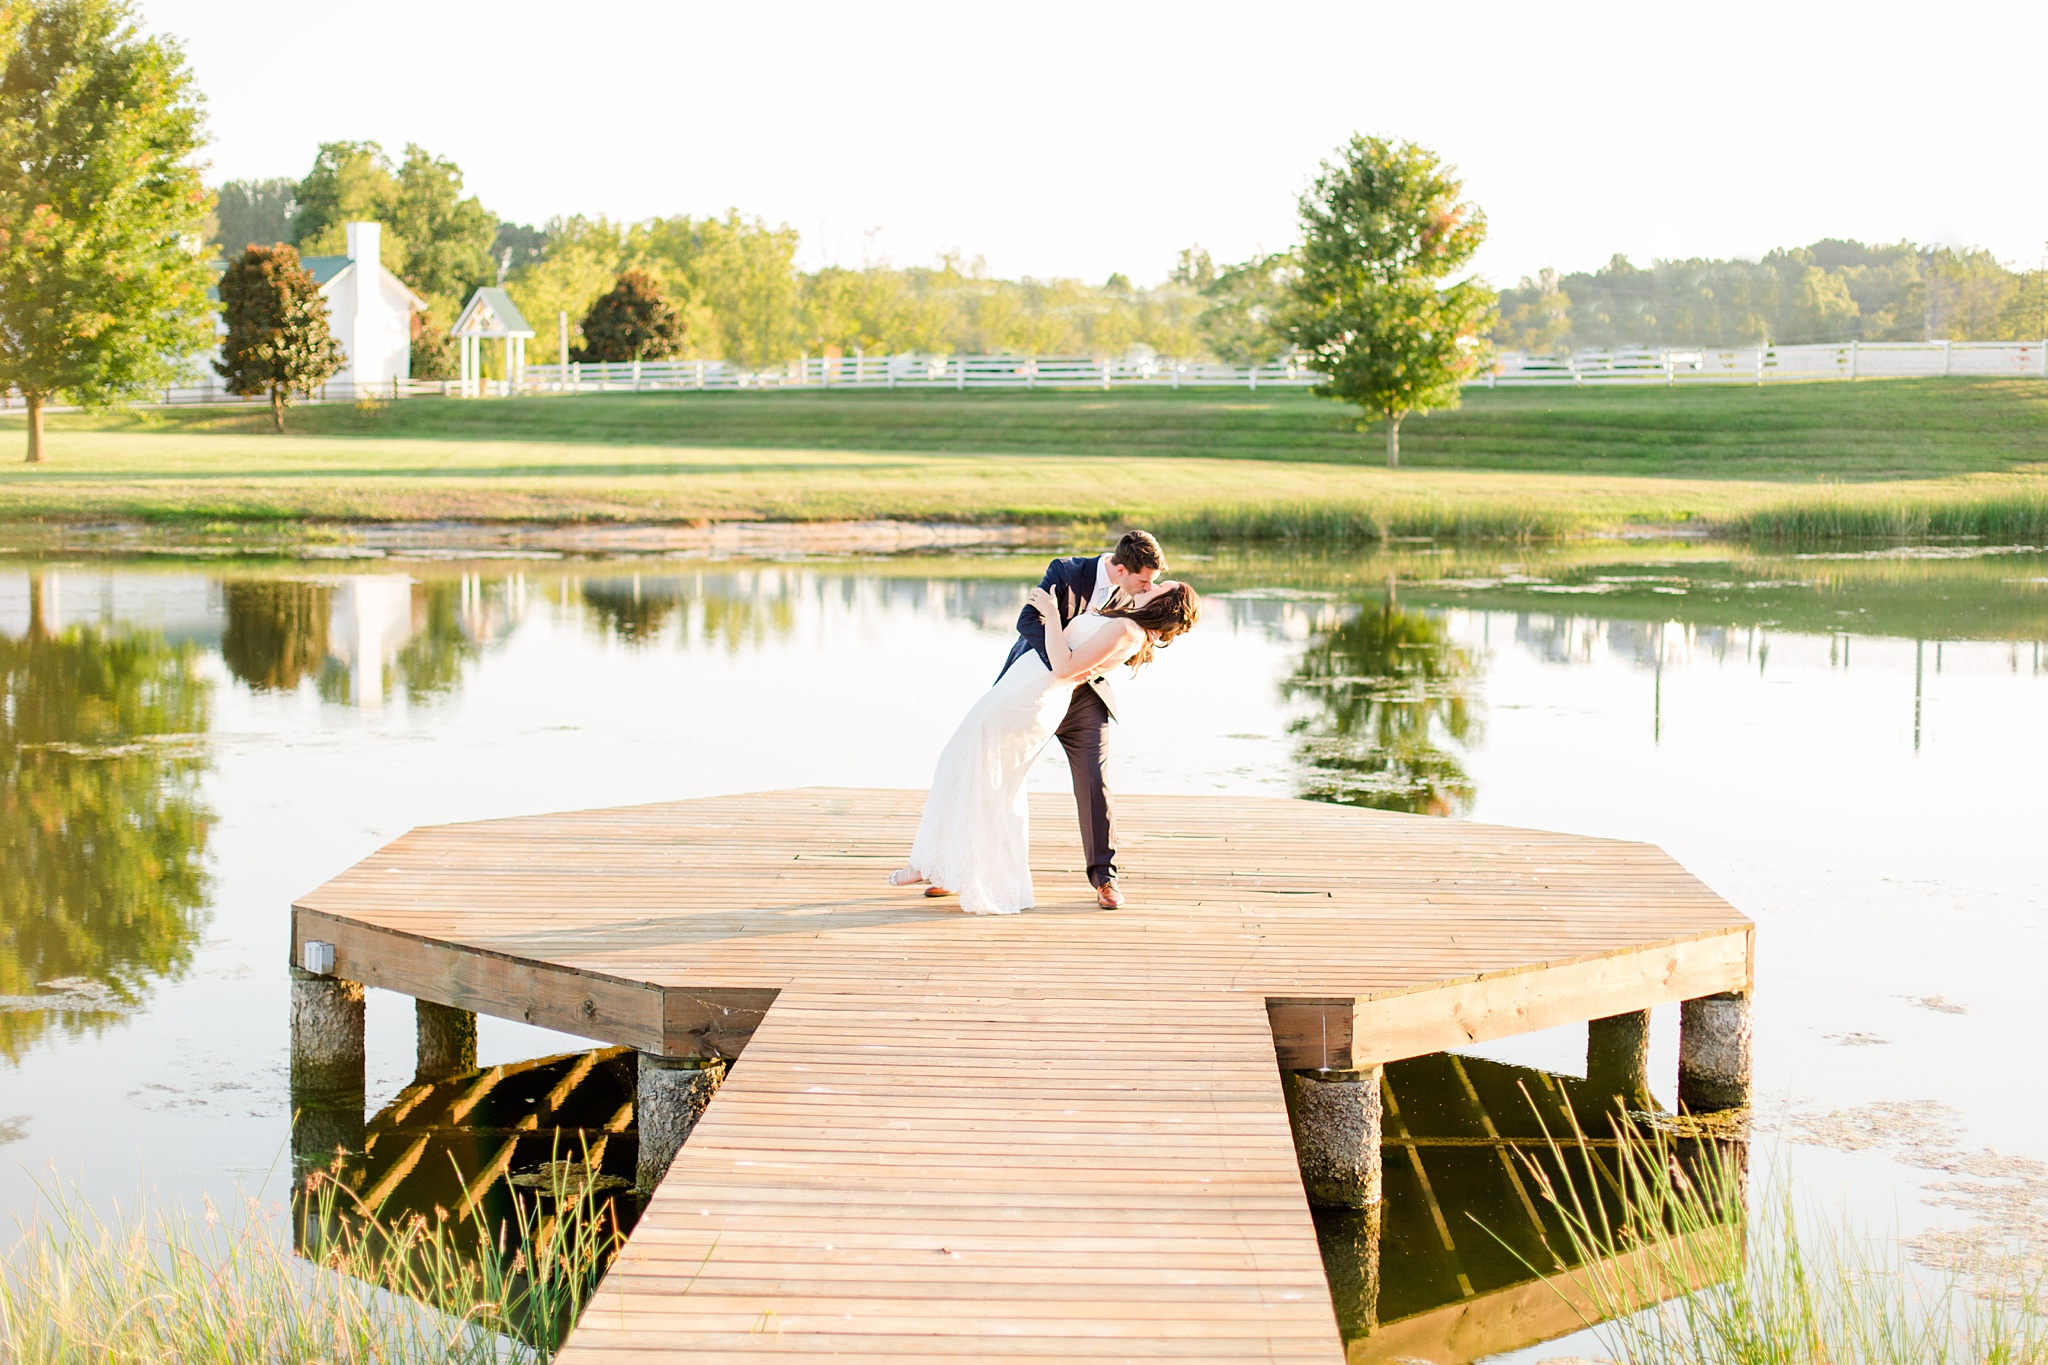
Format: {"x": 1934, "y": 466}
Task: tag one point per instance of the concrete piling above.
{"x": 326, "y": 1068}
{"x": 1336, "y": 1119}
{"x": 1618, "y": 1060}
{"x": 672, "y": 1096}
{"x": 1714, "y": 1053}
{"x": 446, "y": 1041}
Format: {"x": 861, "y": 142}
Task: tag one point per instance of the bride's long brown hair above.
{"x": 1171, "y": 613}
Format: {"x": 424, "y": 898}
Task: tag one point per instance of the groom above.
{"x": 1080, "y": 584}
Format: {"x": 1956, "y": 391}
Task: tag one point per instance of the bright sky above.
{"x": 1078, "y": 139}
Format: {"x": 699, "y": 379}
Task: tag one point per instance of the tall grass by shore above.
{"x": 2006, "y": 517}
{"x": 223, "y": 1286}
{"x": 1776, "y": 1288}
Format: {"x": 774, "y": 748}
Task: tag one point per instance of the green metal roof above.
{"x": 325, "y": 268}
{"x": 490, "y": 312}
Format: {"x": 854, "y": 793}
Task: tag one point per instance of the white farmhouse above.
{"x": 369, "y": 311}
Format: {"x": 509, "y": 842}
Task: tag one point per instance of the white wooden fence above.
{"x": 959, "y": 372}
{"x": 1774, "y": 364}
{"x": 1670, "y": 366}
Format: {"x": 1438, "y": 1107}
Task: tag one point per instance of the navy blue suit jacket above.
{"x": 1072, "y": 583}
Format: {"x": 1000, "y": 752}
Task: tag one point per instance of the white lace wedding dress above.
{"x": 975, "y": 838}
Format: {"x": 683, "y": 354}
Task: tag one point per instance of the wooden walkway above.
{"x": 1057, "y": 1135}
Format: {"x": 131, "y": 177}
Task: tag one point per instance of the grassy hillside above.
{"x": 1957, "y": 456}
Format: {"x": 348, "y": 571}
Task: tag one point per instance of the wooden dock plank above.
{"x": 1055, "y": 1136}
{"x": 776, "y": 1224}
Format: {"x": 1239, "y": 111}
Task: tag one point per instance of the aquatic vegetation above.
{"x": 2002, "y": 516}
{"x": 1781, "y": 1286}
{"x": 223, "y": 1286}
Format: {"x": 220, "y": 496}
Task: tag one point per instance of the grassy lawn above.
{"x": 1831, "y": 457}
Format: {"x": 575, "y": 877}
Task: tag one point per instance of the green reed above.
{"x": 1670, "y": 1271}
{"x": 223, "y": 1286}
{"x": 2008, "y": 517}
{"x": 1368, "y": 522}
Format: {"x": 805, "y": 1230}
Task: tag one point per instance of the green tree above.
{"x": 1382, "y": 228}
{"x": 102, "y": 828}
{"x": 1391, "y": 695}
{"x": 437, "y": 241}
{"x": 252, "y": 213}
{"x": 102, "y": 294}
{"x": 1535, "y": 316}
{"x": 1243, "y": 304}
{"x": 277, "y": 341}
{"x": 449, "y": 240}
{"x": 434, "y": 353}
{"x": 631, "y": 322}
{"x": 349, "y": 182}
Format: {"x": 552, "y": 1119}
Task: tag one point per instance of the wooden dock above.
{"x": 1058, "y": 1135}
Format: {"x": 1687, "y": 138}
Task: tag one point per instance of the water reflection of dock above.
{"x": 1062, "y": 1133}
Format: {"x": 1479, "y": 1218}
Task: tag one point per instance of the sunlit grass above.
{"x": 222, "y": 1286}
{"x": 1962, "y": 458}
{"x": 1776, "y": 1288}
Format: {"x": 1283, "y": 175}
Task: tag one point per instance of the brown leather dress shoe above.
{"x": 1108, "y": 897}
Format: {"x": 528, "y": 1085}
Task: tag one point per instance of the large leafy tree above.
{"x": 102, "y": 293}
{"x": 436, "y": 240}
{"x": 253, "y": 213}
{"x": 1383, "y": 229}
{"x": 631, "y": 322}
{"x": 277, "y": 342}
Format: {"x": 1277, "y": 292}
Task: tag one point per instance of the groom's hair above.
{"x": 1139, "y": 551}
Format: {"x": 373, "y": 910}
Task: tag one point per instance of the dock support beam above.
{"x": 1618, "y": 1060}
{"x": 673, "y": 1094}
{"x": 327, "y": 1068}
{"x": 1336, "y": 1119}
{"x": 447, "y": 1041}
{"x": 1713, "y": 1053}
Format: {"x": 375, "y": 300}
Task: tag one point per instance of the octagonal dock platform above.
{"x": 1060, "y": 1135}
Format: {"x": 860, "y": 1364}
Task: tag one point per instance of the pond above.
{"x": 1848, "y": 745}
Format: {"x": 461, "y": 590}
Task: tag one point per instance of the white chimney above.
{"x": 364, "y": 240}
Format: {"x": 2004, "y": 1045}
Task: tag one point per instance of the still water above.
{"x": 1849, "y": 746}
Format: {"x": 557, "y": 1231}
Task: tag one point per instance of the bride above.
{"x": 976, "y": 832}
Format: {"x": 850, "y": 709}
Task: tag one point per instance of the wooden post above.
{"x": 446, "y": 1039}
{"x": 562, "y": 341}
{"x": 673, "y": 1094}
{"x": 1714, "y": 1053}
{"x": 960, "y": 372}
{"x": 1947, "y": 359}
{"x": 1852, "y": 362}
{"x": 1336, "y": 1119}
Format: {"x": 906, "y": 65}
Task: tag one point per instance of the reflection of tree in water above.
{"x": 276, "y": 633}
{"x": 730, "y": 611}
{"x": 277, "y": 636}
{"x": 102, "y": 834}
{"x": 630, "y": 610}
{"x": 433, "y": 659}
{"x": 1391, "y": 691}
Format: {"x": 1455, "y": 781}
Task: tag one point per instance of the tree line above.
{"x": 1834, "y": 290}
{"x": 103, "y": 278}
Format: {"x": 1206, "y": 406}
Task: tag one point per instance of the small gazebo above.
{"x": 490, "y": 315}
